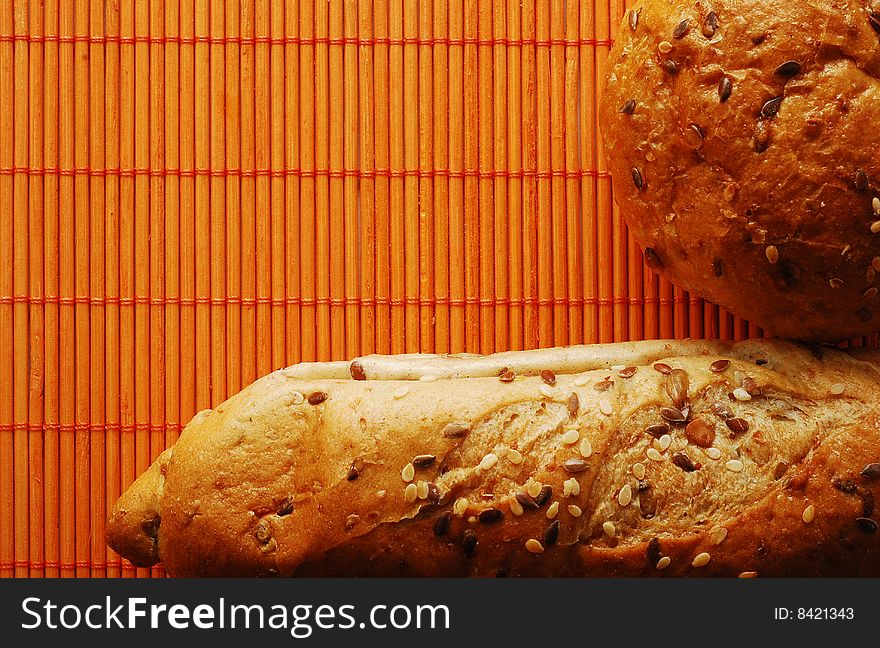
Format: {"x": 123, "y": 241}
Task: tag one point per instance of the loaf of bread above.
{"x": 759, "y": 458}
{"x": 742, "y": 137}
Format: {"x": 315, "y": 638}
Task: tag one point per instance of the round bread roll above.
{"x": 744, "y": 143}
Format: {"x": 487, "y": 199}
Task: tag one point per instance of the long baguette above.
{"x": 640, "y": 459}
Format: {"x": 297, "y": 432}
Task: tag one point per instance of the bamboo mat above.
{"x": 194, "y": 193}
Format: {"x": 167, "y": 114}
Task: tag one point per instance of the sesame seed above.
{"x": 490, "y": 515}
{"x": 574, "y": 510}
{"x": 543, "y": 495}
{"x": 741, "y": 394}
{"x": 424, "y": 461}
{"x": 575, "y": 465}
{"x": 526, "y": 501}
{"x": 664, "y": 47}
{"x": 663, "y": 563}
{"x": 638, "y": 470}
{"x": 605, "y": 407}
{"x": 580, "y": 381}
{"x": 634, "y": 18}
{"x": 629, "y": 107}
{"x": 673, "y": 415}
{"x": 719, "y": 365}
{"x": 514, "y": 457}
{"x": 624, "y": 497}
{"x": 316, "y": 398}
{"x": 734, "y": 465}
{"x": 701, "y": 560}
{"x": 408, "y": 472}
{"x": 547, "y": 391}
{"x": 571, "y": 487}
{"x": 573, "y": 404}
{"x": 533, "y": 546}
{"x": 548, "y": 377}
{"x": 835, "y": 283}
{"x": 586, "y": 448}
{"x": 789, "y": 69}
{"x": 488, "y": 461}
{"x": 657, "y": 430}
{"x": 427, "y": 378}
{"x": 570, "y": 437}
{"x": 422, "y": 489}
{"x": 875, "y": 227}
{"x": 870, "y": 293}
{"x": 552, "y": 510}
{"x": 297, "y": 398}
{"x": 809, "y": 514}
{"x": 772, "y": 254}
{"x": 400, "y": 392}
{"x": 627, "y": 372}
{"x": 717, "y": 536}
{"x": 725, "y": 89}
{"x": 653, "y": 455}
{"x": 507, "y": 376}
{"x": 748, "y": 574}
{"x": 608, "y": 528}
{"x": 516, "y": 508}
{"x": 534, "y": 489}
{"x": 455, "y": 430}
{"x": 682, "y": 29}
{"x": 441, "y": 526}
{"x": 410, "y": 493}
{"x": 551, "y": 535}
{"x": 469, "y": 542}
{"x": 663, "y": 443}
{"x": 875, "y": 203}
{"x": 837, "y": 389}
{"x": 712, "y": 453}
{"x": 460, "y": 506}
{"x": 662, "y": 367}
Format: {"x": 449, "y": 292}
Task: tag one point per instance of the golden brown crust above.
{"x": 297, "y": 476}
{"x": 764, "y": 208}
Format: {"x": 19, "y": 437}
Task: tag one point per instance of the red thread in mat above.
{"x": 573, "y": 174}
{"x": 298, "y": 40}
{"x": 231, "y": 300}
{"x": 56, "y": 564}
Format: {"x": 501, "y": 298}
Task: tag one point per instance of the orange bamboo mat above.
{"x": 196, "y": 192}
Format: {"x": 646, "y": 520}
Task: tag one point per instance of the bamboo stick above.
{"x": 426, "y": 181}
{"x": 335, "y": 251}
{"x": 51, "y": 445}
{"x": 233, "y": 236}
{"x": 7, "y": 161}
{"x": 546, "y": 333}
{"x": 322, "y": 181}
{"x": 410, "y": 180}
{"x": 307, "y": 136}
{"x": 457, "y": 294}
{"x": 82, "y": 346}
{"x": 530, "y": 182}
{"x": 440, "y": 67}
{"x": 97, "y": 291}
{"x": 575, "y": 255}
{"x": 17, "y": 216}
{"x": 605, "y": 219}
{"x": 680, "y": 313}
{"x": 262, "y": 146}
{"x": 666, "y": 309}
{"x": 558, "y": 273}
{"x": 367, "y": 113}
{"x": 589, "y": 145}
{"x": 397, "y": 236}
{"x": 485, "y": 263}
{"x": 472, "y": 241}
{"x": 142, "y": 216}
{"x": 127, "y": 383}
{"x": 382, "y": 30}
{"x": 279, "y": 237}
{"x": 36, "y": 288}
{"x": 217, "y": 214}
{"x": 202, "y": 198}
{"x": 501, "y": 181}
{"x": 350, "y": 162}
{"x": 514, "y": 195}
{"x": 292, "y": 184}
{"x": 249, "y": 335}
{"x": 112, "y": 125}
